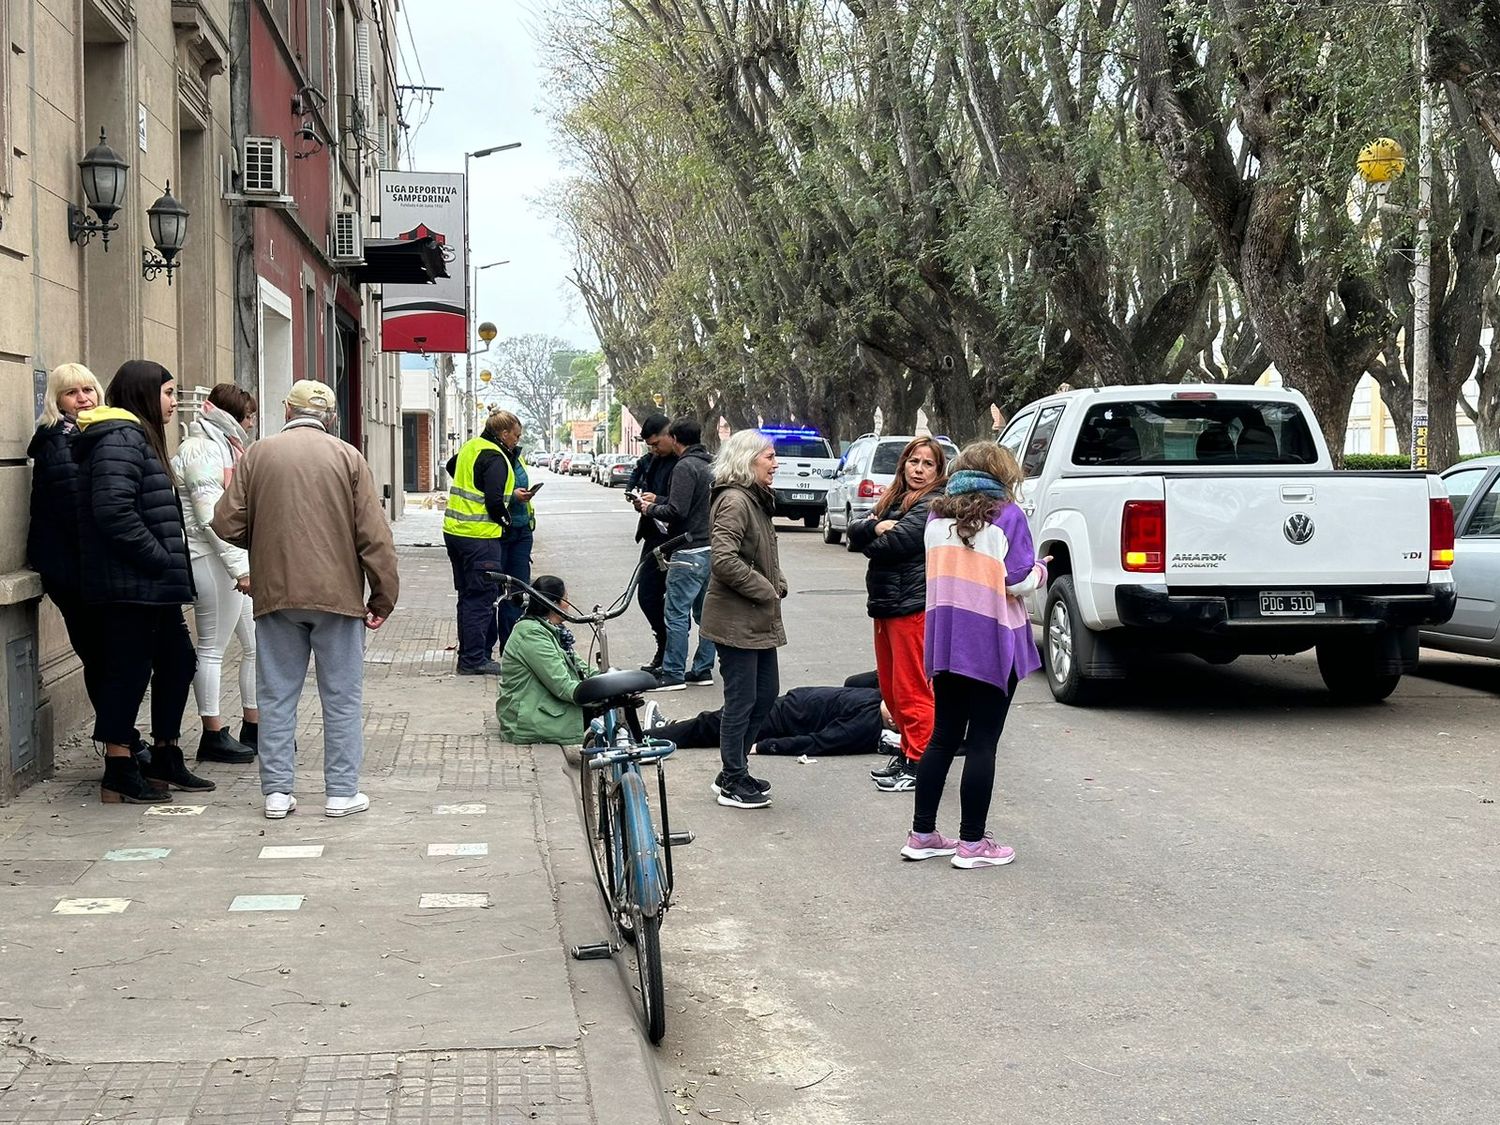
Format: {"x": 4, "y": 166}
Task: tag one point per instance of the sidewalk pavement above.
{"x": 197, "y": 963}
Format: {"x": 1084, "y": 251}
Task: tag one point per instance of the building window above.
{"x": 310, "y": 325}
{"x": 317, "y": 47}
{"x": 4, "y": 97}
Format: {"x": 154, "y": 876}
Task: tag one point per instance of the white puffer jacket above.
{"x": 203, "y": 465}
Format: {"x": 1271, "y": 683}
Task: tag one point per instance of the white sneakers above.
{"x": 279, "y": 804}
{"x": 346, "y": 806}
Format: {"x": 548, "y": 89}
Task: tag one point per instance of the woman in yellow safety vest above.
{"x": 489, "y": 506}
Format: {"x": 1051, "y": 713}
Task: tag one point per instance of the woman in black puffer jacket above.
{"x": 136, "y": 579}
{"x": 52, "y": 539}
{"x": 893, "y": 539}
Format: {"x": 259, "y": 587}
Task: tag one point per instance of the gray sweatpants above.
{"x": 285, "y": 640}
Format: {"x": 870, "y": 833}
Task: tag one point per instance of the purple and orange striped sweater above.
{"x": 976, "y": 621}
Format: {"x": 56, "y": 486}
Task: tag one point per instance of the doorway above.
{"x": 275, "y": 372}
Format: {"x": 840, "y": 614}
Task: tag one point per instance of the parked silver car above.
{"x": 868, "y": 468}
{"x": 1474, "y": 488}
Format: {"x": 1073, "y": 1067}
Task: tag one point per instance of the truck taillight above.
{"x": 1143, "y": 536}
{"x": 869, "y": 490}
{"x": 1440, "y": 532}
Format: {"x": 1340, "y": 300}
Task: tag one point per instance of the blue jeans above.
{"x": 517, "y": 564}
{"x": 687, "y": 586}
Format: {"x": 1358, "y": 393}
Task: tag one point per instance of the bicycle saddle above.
{"x": 612, "y": 685}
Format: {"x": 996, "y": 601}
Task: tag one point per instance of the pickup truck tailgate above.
{"x": 1289, "y": 532}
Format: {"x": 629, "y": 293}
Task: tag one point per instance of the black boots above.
{"x": 218, "y": 746}
{"x": 167, "y": 765}
{"x": 250, "y": 734}
{"x": 124, "y": 784}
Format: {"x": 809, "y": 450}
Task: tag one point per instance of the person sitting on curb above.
{"x": 539, "y": 674}
{"x": 808, "y": 720}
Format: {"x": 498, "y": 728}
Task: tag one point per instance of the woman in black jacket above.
{"x": 136, "y": 579}
{"x": 52, "y": 539}
{"x": 892, "y": 538}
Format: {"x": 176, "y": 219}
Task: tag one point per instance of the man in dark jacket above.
{"x": 685, "y": 512}
{"x": 810, "y": 720}
{"x": 653, "y": 474}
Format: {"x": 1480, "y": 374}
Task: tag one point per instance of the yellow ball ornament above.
{"x": 1382, "y": 160}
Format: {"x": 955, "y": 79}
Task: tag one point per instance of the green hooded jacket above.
{"x": 537, "y": 681}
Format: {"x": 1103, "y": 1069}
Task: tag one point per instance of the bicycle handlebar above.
{"x": 511, "y": 584}
{"x": 654, "y": 749}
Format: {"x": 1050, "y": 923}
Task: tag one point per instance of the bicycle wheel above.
{"x": 648, "y": 970}
{"x": 645, "y": 899}
{"x": 604, "y": 826}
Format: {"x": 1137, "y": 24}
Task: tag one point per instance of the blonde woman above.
{"x": 221, "y": 572}
{"x": 742, "y": 612}
{"x": 52, "y": 541}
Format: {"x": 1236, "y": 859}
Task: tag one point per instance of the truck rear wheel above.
{"x": 1062, "y": 628}
{"x": 1354, "y": 673}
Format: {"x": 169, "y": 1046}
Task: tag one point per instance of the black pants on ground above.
{"x": 651, "y": 595}
{"x": 697, "y": 733}
{"x": 142, "y": 646}
{"x": 478, "y": 626}
{"x": 751, "y": 684}
{"x": 969, "y": 715}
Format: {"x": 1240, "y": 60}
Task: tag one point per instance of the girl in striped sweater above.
{"x": 980, "y": 564}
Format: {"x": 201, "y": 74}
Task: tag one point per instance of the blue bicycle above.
{"x": 632, "y": 861}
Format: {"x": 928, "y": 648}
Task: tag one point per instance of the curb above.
{"x": 619, "y": 1063}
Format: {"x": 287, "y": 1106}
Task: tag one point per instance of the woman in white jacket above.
{"x": 216, "y": 441}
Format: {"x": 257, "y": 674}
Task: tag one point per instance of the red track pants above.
{"x": 903, "y": 679}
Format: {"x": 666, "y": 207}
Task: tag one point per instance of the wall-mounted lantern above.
{"x": 168, "y": 221}
{"x": 104, "y": 182}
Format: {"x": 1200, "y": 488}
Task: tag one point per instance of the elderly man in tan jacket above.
{"x": 303, "y": 503}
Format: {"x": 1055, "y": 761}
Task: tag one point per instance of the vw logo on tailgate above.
{"x": 1298, "y": 529}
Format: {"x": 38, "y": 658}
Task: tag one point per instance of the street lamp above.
{"x": 469, "y": 357}
{"x": 477, "y": 154}
{"x": 104, "y": 182}
{"x": 167, "y": 219}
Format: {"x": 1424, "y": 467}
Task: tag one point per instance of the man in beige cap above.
{"x": 304, "y": 504}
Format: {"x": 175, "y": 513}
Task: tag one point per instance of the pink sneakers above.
{"x": 981, "y": 853}
{"x": 927, "y": 845}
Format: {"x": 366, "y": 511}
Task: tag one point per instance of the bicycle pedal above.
{"x": 679, "y": 839}
{"x": 593, "y": 951}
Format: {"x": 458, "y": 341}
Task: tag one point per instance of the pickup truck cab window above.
{"x": 1041, "y": 439}
{"x": 1014, "y": 435}
{"x": 1195, "y": 431}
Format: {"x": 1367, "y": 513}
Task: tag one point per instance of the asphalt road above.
{"x": 1232, "y": 901}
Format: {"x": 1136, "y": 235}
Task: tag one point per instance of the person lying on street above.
{"x": 809, "y": 720}
{"x": 539, "y": 674}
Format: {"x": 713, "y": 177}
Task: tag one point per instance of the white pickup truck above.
{"x": 1210, "y": 520}
{"x": 805, "y": 466}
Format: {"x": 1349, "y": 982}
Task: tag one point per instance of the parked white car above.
{"x": 1210, "y": 520}
{"x": 1474, "y": 488}
{"x": 804, "y": 462}
{"x": 867, "y": 469}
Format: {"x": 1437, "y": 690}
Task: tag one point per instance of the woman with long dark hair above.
{"x": 539, "y": 674}
{"x": 136, "y": 579}
{"x": 892, "y": 539}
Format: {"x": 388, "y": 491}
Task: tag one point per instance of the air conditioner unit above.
{"x": 348, "y": 237}
{"x": 263, "y": 167}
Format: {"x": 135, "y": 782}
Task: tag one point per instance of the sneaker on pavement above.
{"x": 904, "y": 780}
{"x": 654, "y": 669}
{"x": 488, "y": 668}
{"x": 717, "y": 785}
{"x": 927, "y": 845}
{"x": 744, "y": 793}
{"x": 891, "y": 768}
{"x": 278, "y": 805}
{"x": 651, "y": 716}
{"x": 982, "y": 853}
{"x": 346, "y": 806}
{"x": 700, "y": 679}
{"x": 664, "y": 684}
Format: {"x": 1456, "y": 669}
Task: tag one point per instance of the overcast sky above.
{"x": 483, "y": 54}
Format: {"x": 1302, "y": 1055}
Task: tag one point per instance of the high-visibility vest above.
{"x": 467, "y": 516}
